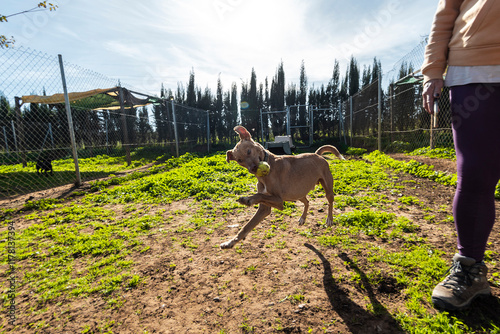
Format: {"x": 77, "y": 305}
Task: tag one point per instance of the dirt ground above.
{"x": 214, "y": 291}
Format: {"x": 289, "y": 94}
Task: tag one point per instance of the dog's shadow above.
{"x": 355, "y": 317}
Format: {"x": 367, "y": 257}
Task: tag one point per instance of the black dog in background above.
{"x": 44, "y": 165}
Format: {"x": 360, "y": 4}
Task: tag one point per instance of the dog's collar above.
{"x": 266, "y": 156}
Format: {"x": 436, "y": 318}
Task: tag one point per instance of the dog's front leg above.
{"x": 261, "y": 213}
{"x": 269, "y": 200}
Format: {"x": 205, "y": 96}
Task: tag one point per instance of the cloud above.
{"x": 146, "y": 44}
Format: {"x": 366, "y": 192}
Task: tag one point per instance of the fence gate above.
{"x": 297, "y": 120}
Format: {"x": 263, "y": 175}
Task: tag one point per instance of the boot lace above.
{"x": 460, "y": 277}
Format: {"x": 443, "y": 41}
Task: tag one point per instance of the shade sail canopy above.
{"x": 409, "y": 79}
{"x": 106, "y": 98}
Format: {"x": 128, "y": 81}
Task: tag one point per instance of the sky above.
{"x": 148, "y": 43}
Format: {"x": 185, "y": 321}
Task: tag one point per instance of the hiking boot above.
{"x": 466, "y": 281}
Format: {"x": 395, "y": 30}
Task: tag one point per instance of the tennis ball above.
{"x": 263, "y": 169}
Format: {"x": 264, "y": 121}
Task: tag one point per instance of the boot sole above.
{"x": 443, "y": 304}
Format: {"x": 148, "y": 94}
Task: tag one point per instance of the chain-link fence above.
{"x": 389, "y": 115}
{"x": 361, "y": 118}
{"x": 406, "y": 125}
{"x": 102, "y": 127}
{"x": 108, "y": 127}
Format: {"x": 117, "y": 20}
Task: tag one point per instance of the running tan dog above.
{"x": 290, "y": 179}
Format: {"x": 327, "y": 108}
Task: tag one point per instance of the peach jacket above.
{"x": 464, "y": 33}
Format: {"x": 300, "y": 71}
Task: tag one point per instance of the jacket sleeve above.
{"x": 436, "y": 51}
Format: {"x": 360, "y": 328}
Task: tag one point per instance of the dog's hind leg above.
{"x": 261, "y": 213}
{"x": 302, "y": 219}
{"x": 328, "y": 187}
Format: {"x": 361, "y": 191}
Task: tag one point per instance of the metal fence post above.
{"x": 6, "y": 141}
{"x": 350, "y": 120}
{"x": 124, "y": 126}
{"x": 175, "y": 127}
{"x": 208, "y": 131}
{"x": 107, "y": 136}
{"x": 78, "y": 181}
{"x": 431, "y": 130}
{"x": 14, "y": 135}
{"x": 311, "y": 124}
{"x": 379, "y": 111}
{"x": 288, "y": 118}
{"x": 20, "y": 123}
{"x": 391, "y": 92}
{"x": 261, "y": 125}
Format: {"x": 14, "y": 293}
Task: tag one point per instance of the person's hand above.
{"x": 432, "y": 91}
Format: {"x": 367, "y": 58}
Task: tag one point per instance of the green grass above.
{"x": 442, "y": 153}
{"x": 16, "y": 179}
{"x": 418, "y": 169}
{"x": 85, "y": 248}
{"x": 207, "y": 178}
{"x": 57, "y": 241}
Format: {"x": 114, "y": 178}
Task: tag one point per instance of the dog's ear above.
{"x": 229, "y": 156}
{"x": 244, "y": 134}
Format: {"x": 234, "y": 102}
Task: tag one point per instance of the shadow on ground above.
{"x": 356, "y": 318}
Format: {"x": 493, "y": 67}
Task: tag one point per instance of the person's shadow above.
{"x": 356, "y": 318}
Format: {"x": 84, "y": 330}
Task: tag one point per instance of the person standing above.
{"x": 464, "y": 48}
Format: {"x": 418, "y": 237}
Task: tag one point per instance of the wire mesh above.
{"x": 405, "y": 124}
{"x": 119, "y": 128}
{"x": 113, "y": 131}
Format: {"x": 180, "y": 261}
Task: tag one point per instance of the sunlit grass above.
{"x": 85, "y": 248}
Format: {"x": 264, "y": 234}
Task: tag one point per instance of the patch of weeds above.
{"x": 134, "y": 281}
{"x": 338, "y": 238}
{"x": 250, "y": 269}
{"x": 208, "y": 178}
{"x": 414, "y": 168}
{"x": 115, "y": 303}
{"x": 373, "y": 223}
{"x": 430, "y": 218}
{"x": 357, "y": 176}
{"x": 289, "y": 208}
{"x": 271, "y": 232}
{"x": 306, "y": 232}
{"x": 495, "y": 279}
{"x": 42, "y": 204}
{"x": 364, "y": 201}
{"x": 280, "y": 244}
{"x": 410, "y": 200}
{"x": 442, "y": 153}
{"x": 355, "y": 151}
{"x": 89, "y": 234}
{"x": 188, "y": 243}
{"x": 229, "y": 206}
{"x": 297, "y": 298}
{"x": 245, "y": 326}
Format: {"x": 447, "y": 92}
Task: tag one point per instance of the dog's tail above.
{"x": 331, "y": 149}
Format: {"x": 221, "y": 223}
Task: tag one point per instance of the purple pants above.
{"x": 476, "y": 133}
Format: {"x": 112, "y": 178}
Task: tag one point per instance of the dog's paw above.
{"x": 245, "y": 201}
{"x": 302, "y": 221}
{"x": 329, "y": 222}
{"x": 227, "y": 244}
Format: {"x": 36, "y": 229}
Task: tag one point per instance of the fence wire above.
{"x": 116, "y": 128}
{"x": 404, "y": 124}
{"x": 113, "y": 130}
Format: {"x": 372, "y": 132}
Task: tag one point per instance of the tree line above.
{"x": 223, "y": 109}
{"x": 230, "y": 107}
